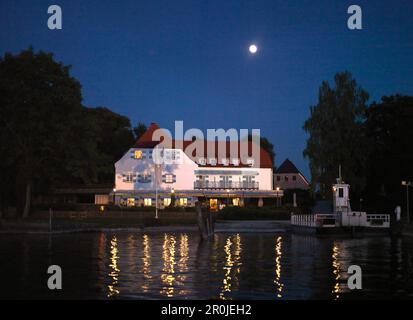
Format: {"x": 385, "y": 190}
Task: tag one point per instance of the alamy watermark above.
{"x": 221, "y": 147}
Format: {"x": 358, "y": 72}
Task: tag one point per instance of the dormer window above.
{"x": 235, "y": 161}
{"x": 176, "y": 155}
{"x": 250, "y": 162}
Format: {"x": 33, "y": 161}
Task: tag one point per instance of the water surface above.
{"x": 178, "y": 265}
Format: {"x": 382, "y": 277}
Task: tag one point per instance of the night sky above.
{"x": 160, "y": 61}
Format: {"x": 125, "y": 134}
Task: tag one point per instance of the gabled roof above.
{"x": 287, "y": 167}
{"x": 145, "y": 141}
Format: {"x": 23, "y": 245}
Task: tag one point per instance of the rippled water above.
{"x": 179, "y": 265}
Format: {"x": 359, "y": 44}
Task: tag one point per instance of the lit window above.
{"x": 147, "y": 202}
{"x": 168, "y": 178}
{"x": 183, "y": 201}
{"x": 235, "y": 202}
{"x": 131, "y": 202}
{"x": 167, "y": 202}
{"x": 138, "y": 154}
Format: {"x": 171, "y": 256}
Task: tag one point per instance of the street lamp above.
{"x": 407, "y": 184}
{"x": 277, "y": 196}
{"x": 114, "y": 196}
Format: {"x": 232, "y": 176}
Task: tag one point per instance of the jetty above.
{"x": 343, "y": 220}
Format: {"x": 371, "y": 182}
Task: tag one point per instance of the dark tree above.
{"x": 114, "y": 136}
{"x": 139, "y": 130}
{"x": 336, "y": 136}
{"x": 390, "y": 135}
{"x": 44, "y": 136}
{"x": 267, "y": 146}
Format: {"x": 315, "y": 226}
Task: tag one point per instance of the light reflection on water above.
{"x": 278, "y": 254}
{"x": 228, "y": 266}
{"x": 114, "y": 268}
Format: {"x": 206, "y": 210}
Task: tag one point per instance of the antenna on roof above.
{"x": 339, "y": 174}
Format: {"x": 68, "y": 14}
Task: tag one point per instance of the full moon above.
{"x": 253, "y": 48}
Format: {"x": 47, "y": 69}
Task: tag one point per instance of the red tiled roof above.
{"x": 145, "y": 141}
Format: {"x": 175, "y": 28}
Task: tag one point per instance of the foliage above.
{"x": 44, "y": 134}
{"x": 336, "y": 135}
{"x": 139, "y": 130}
{"x": 47, "y": 137}
{"x": 389, "y": 133}
{"x": 113, "y": 137}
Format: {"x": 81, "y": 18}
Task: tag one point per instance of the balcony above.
{"x": 243, "y": 185}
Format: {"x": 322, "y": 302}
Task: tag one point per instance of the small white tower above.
{"x": 341, "y": 198}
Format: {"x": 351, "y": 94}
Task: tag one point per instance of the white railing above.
{"x": 320, "y": 220}
{"x": 378, "y": 220}
{"x": 226, "y": 185}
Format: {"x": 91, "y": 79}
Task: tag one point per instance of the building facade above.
{"x": 287, "y": 176}
{"x": 183, "y": 178}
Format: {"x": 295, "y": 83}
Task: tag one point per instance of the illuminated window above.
{"x": 183, "y": 201}
{"x": 167, "y": 202}
{"x": 131, "y": 202}
{"x": 168, "y": 178}
{"x": 147, "y": 202}
{"x": 138, "y": 154}
{"x": 235, "y": 202}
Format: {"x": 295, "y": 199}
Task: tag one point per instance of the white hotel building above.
{"x": 184, "y": 178}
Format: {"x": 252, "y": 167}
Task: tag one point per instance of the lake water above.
{"x": 178, "y": 265}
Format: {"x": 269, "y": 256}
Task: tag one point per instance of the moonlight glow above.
{"x": 253, "y": 48}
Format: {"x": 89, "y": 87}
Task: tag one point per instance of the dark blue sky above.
{"x": 188, "y": 60}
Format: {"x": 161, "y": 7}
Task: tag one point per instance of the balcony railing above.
{"x": 226, "y": 185}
